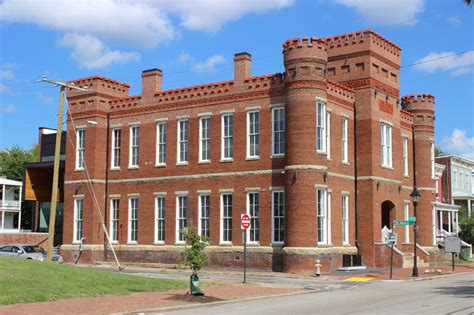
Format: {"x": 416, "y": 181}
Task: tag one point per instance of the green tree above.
{"x": 11, "y": 161}
{"x": 194, "y": 256}
{"x": 468, "y": 2}
{"x": 438, "y": 151}
{"x": 467, "y": 229}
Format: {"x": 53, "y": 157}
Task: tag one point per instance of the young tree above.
{"x": 11, "y": 161}
{"x": 194, "y": 256}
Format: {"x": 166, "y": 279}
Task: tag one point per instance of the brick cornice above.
{"x": 89, "y": 113}
{"x": 373, "y": 83}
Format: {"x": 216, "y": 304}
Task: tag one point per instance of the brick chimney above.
{"x": 242, "y": 62}
{"x": 151, "y": 82}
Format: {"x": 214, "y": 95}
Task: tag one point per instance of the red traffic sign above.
{"x": 244, "y": 221}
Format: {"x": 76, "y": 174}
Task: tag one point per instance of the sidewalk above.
{"x": 146, "y": 301}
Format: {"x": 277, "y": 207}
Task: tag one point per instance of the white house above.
{"x": 10, "y": 205}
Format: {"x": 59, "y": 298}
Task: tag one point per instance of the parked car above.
{"x": 28, "y": 251}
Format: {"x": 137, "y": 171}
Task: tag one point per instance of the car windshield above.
{"x": 33, "y": 249}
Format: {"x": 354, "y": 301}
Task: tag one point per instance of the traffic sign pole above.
{"x": 245, "y": 256}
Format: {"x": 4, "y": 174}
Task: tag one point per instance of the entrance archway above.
{"x": 388, "y": 214}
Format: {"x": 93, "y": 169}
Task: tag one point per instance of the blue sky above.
{"x": 193, "y": 41}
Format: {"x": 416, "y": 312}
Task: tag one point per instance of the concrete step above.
{"x": 409, "y": 259}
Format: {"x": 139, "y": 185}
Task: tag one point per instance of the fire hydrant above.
{"x": 318, "y": 267}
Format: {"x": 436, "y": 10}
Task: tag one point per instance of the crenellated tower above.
{"x": 305, "y": 63}
{"x": 422, "y": 108}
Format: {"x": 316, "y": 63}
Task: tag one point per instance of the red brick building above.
{"x": 320, "y": 156}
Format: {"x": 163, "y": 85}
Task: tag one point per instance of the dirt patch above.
{"x": 193, "y": 298}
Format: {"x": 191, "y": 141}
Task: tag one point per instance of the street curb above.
{"x": 426, "y": 278}
{"x": 197, "y": 305}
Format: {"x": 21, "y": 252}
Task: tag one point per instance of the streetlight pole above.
{"x": 415, "y": 197}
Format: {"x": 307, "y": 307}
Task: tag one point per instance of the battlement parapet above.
{"x": 418, "y": 98}
{"x": 99, "y": 84}
{"x": 303, "y": 42}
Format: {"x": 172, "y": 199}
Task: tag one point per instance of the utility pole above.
{"x": 57, "y": 153}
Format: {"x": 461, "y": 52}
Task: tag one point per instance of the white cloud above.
{"x": 454, "y": 20}
{"x": 387, "y": 12}
{"x": 458, "y": 143}
{"x": 45, "y": 99}
{"x": 89, "y": 52}
{"x": 7, "y": 75}
{"x": 211, "y": 15}
{"x": 9, "y": 109}
{"x": 209, "y": 64}
{"x": 447, "y": 61}
{"x": 185, "y": 57}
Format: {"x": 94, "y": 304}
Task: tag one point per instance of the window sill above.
{"x": 181, "y": 163}
{"x": 346, "y": 245}
{"x": 182, "y": 243}
{"x": 132, "y": 243}
{"x": 133, "y": 167}
{"x": 160, "y": 165}
{"x": 252, "y": 158}
{"x": 227, "y": 160}
{"x": 390, "y": 168}
{"x": 114, "y": 242}
{"x": 277, "y": 244}
{"x": 325, "y": 245}
{"x": 225, "y": 244}
{"x": 329, "y": 159}
{"x": 345, "y": 163}
{"x": 322, "y": 153}
{"x": 115, "y": 169}
{"x": 406, "y": 176}
{"x": 159, "y": 243}
{"x": 204, "y": 162}
{"x": 253, "y": 243}
{"x": 277, "y": 156}
{"x": 79, "y": 169}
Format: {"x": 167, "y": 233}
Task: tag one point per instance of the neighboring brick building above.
{"x": 301, "y": 151}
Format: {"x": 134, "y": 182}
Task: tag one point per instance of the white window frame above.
{"x": 321, "y": 110}
{"x": 132, "y": 217}
{"x": 405, "y": 156}
{"x": 279, "y": 216}
{"x": 406, "y": 213}
{"x": 432, "y": 153}
{"x": 134, "y": 150}
{"x": 254, "y": 228}
{"x": 227, "y": 130}
{"x": 253, "y": 134}
{"x": 345, "y": 219}
{"x": 201, "y": 218}
{"x": 223, "y": 241}
{"x": 116, "y": 148}
{"x": 78, "y": 219}
{"x": 181, "y": 218}
{"x": 160, "y": 219}
{"x": 328, "y": 134}
{"x": 321, "y": 214}
{"x": 277, "y": 131}
{"x": 182, "y": 146}
{"x": 386, "y": 145}
{"x": 114, "y": 227}
{"x": 161, "y": 133}
{"x": 204, "y": 139}
{"x": 80, "y": 148}
{"x": 345, "y": 139}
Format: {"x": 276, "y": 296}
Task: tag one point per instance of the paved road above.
{"x": 448, "y": 295}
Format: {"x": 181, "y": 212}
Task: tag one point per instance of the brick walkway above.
{"x": 423, "y": 273}
{"x": 144, "y": 301}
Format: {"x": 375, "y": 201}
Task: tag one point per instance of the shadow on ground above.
{"x": 463, "y": 289}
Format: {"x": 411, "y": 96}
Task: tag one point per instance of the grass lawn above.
{"x": 26, "y": 281}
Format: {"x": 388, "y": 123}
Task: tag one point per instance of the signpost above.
{"x": 401, "y": 222}
{"x": 392, "y": 240}
{"x": 244, "y": 225}
{"x": 452, "y": 244}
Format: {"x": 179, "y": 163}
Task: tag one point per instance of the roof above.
{"x": 9, "y": 182}
{"x": 456, "y": 157}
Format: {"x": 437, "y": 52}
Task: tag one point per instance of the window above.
{"x": 227, "y": 136}
{"x": 134, "y": 143}
{"x": 345, "y": 219}
{"x": 386, "y": 142}
{"x": 278, "y": 217}
{"x": 159, "y": 219}
{"x": 253, "y": 129}
{"x": 204, "y": 213}
{"x": 278, "y": 131}
{"x": 406, "y": 210}
{"x": 78, "y": 214}
{"x": 461, "y": 180}
{"x": 181, "y": 217}
{"x": 345, "y": 158}
{"x": 432, "y": 160}
{"x": 322, "y": 212}
{"x": 253, "y": 211}
{"x": 205, "y": 139}
{"x": 182, "y": 141}
{"x": 80, "y": 147}
{"x": 328, "y": 135}
{"x": 116, "y": 138}
{"x": 226, "y": 218}
{"x": 455, "y": 179}
{"x": 133, "y": 220}
{"x": 321, "y": 127}
{"x": 161, "y": 143}
{"x": 114, "y": 219}
{"x": 405, "y": 156}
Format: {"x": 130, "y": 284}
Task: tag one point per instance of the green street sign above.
{"x": 400, "y": 222}
{"x": 413, "y": 219}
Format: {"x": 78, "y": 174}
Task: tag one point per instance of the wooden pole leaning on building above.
{"x": 57, "y": 154}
